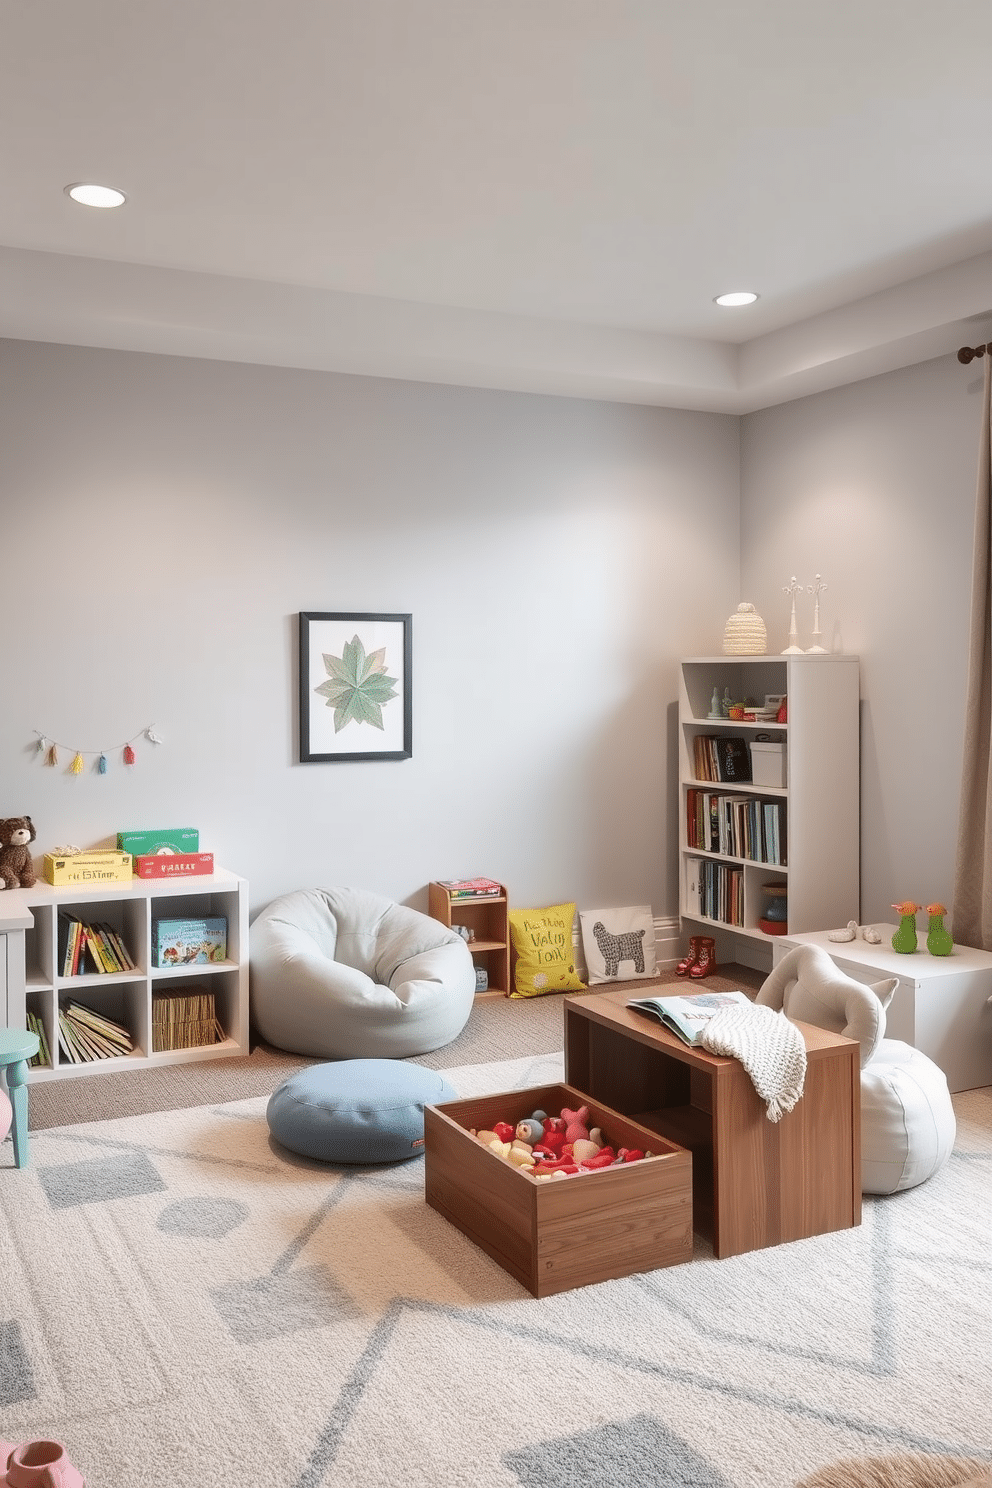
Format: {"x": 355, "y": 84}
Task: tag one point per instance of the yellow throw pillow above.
{"x": 542, "y": 940}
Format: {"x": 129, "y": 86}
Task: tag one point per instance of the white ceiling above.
{"x": 533, "y": 194}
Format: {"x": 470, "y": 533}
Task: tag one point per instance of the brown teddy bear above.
{"x": 16, "y": 868}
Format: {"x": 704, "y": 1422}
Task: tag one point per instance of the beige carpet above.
{"x": 183, "y": 1302}
{"x": 503, "y": 1028}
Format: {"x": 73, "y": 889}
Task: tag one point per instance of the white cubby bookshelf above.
{"x": 35, "y": 983}
{"x": 821, "y": 794}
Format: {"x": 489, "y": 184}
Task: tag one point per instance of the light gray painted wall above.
{"x": 164, "y": 520}
{"x": 873, "y": 486}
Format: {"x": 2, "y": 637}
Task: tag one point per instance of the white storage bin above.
{"x": 768, "y": 764}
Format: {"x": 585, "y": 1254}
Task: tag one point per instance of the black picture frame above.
{"x": 355, "y": 686}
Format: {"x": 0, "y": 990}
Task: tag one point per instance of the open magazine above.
{"x": 688, "y": 1014}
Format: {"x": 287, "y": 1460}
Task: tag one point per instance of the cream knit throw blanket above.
{"x": 769, "y": 1047}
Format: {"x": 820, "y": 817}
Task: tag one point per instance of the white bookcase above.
{"x": 34, "y": 981}
{"x": 821, "y": 795}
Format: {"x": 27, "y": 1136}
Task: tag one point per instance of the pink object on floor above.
{"x": 6, "y": 1117}
{"x": 39, "y": 1464}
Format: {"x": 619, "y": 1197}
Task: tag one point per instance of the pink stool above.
{"x": 38, "y": 1464}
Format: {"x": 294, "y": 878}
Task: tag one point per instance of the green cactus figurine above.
{"x": 905, "y": 937}
{"x": 939, "y": 942}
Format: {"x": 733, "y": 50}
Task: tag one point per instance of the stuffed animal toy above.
{"x": 16, "y": 869}
{"x": 576, "y": 1127}
{"x": 605, "y": 1158}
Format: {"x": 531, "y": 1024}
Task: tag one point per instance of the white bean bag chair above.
{"x": 346, "y": 974}
{"x": 907, "y": 1118}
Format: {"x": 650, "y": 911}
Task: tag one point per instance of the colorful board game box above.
{"x": 193, "y": 942}
{"x": 168, "y": 840}
{"x": 87, "y": 867}
{"x": 173, "y": 865}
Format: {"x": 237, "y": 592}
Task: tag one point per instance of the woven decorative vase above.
{"x": 744, "y": 633}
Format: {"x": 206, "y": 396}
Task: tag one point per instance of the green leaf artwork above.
{"x": 357, "y": 685}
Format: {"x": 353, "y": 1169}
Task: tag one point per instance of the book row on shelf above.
{"x": 725, "y": 758}
{"x": 90, "y": 947}
{"x": 85, "y": 1035}
{"x": 737, "y": 826}
{"x": 182, "y": 1020}
{"x": 717, "y": 892}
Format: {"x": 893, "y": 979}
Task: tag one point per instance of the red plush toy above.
{"x": 576, "y": 1124}
{"x": 504, "y": 1131}
{"x": 554, "y": 1137}
{"x": 605, "y": 1158}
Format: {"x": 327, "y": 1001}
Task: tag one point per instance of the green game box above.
{"x": 168, "y": 840}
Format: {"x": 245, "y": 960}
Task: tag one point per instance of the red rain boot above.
{"x": 706, "y": 960}
{"x": 688, "y": 962}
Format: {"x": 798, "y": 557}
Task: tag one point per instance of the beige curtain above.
{"x": 972, "y": 907}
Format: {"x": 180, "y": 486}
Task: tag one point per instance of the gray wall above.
{"x": 873, "y": 487}
{"x": 165, "y": 519}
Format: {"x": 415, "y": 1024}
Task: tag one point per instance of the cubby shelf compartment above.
{"x": 34, "y": 981}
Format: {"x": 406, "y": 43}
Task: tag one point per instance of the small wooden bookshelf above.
{"x": 486, "y": 916}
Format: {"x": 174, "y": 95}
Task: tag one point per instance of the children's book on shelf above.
{"x": 689, "y": 1014}
{"x": 722, "y": 757}
{"x": 43, "y": 1057}
{"x": 85, "y": 1035}
{"x": 90, "y": 947}
{"x": 471, "y": 888}
{"x": 184, "y": 1020}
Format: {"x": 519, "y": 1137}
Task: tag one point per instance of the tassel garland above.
{"x": 51, "y": 752}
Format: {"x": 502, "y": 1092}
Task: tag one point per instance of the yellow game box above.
{"x": 87, "y": 868}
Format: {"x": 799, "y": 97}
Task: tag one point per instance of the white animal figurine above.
{"x": 871, "y": 935}
{"x": 848, "y": 934}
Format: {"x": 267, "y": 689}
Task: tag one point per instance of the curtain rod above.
{"x": 968, "y": 353}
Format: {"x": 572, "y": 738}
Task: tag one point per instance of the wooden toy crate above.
{"x": 564, "y": 1233}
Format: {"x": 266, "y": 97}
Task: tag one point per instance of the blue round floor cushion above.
{"x": 356, "y": 1110}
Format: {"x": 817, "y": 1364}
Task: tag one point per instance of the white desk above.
{"x": 15, "y": 918}
{"x": 941, "y": 1005}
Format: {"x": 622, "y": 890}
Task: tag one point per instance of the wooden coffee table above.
{"x": 755, "y": 1182}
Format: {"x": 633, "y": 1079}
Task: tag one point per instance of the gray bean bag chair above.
{"x": 346, "y": 974}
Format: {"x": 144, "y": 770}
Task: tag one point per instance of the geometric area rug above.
{"x": 183, "y": 1302}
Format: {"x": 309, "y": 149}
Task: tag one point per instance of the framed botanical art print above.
{"x": 355, "y": 687}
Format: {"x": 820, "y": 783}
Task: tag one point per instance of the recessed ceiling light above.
{"x": 739, "y": 297}
{"x": 89, "y": 195}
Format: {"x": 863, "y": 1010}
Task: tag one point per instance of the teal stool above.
{"x": 16, "y": 1047}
